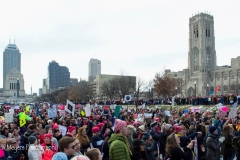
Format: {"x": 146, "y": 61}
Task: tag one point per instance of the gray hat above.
{"x": 32, "y": 139}
{"x": 47, "y": 128}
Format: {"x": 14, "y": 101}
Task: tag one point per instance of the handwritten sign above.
{"x": 87, "y": 110}
{"x": 52, "y": 112}
{"x": 8, "y": 117}
{"x": 62, "y": 129}
{"x": 62, "y": 112}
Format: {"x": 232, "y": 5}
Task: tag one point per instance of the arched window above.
{"x": 195, "y": 59}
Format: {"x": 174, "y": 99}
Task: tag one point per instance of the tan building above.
{"x": 100, "y": 79}
{"x": 203, "y": 75}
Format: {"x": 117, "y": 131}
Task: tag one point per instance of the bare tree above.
{"x": 164, "y": 85}
{"x": 110, "y": 87}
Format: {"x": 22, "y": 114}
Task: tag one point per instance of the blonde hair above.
{"x": 84, "y": 140}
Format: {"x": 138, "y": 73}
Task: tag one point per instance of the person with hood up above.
{"x": 119, "y": 146}
{"x": 213, "y": 144}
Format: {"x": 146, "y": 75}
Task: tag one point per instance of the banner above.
{"x": 87, "y": 110}
{"x": 52, "y": 112}
{"x": 127, "y": 98}
{"x": 70, "y": 107}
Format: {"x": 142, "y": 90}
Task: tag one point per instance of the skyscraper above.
{"x": 11, "y": 60}
{"x": 94, "y": 68}
{"x": 58, "y": 76}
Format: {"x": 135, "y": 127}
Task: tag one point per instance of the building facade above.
{"x": 203, "y": 75}
{"x": 14, "y": 79}
{"x": 58, "y": 76}
{"x": 94, "y": 68}
{"x": 101, "y": 78}
{"x": 11, "y": 60}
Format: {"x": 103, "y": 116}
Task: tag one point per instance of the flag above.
{"x": 82, "y": 113}
{"x": 37, "y": 110}
{"x": 217, "y": 88}
{"x": 22, "y": 119}
{"x": 127, "y": 98}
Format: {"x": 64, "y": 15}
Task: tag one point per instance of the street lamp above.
{"x": 176, "y": 90}
{"x": 18, "y": 87}
{"x": 195, "y": 84}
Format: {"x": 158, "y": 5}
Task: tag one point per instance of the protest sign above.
{"x": 8, "y": 117}
{"x": 62, "y": 112}
{"x": 233, "y": 113}
{"x": 52, "y": 112}
{"x": 70, "y": 107}
{"x": 117, "y": 111}
{"x": 62, "y": 129}
{"x": 11, "y": 111}
{"x": 87, "y": 110}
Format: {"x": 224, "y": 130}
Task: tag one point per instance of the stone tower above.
{"x": 202, "y": 54}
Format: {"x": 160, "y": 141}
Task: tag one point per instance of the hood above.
{"x": 117, "y": 137}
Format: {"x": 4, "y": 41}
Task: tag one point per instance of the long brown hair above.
{"x": 84, "y": 140}
{"x": 171, "y": 142}
{"x": 226, "y": 129}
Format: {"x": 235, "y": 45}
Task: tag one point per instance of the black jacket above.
{"x": 213, "y": 147}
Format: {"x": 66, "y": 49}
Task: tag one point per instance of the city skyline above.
{"x": 139, "y": 37}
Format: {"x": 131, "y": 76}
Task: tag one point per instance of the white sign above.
{"x": 11, "y": 111}
{"x": 52, "y": 112}
{"x": 233, "y": 113}
{"x": 8, "y": 117}
{"x": 167, "y": 113}
{"x": 87, "y": 110}
{"x": 16, "y": 107}
{"x": 62, "y": 129}
{"x": 70, "y": 107}
{"x": 61, "y": 112}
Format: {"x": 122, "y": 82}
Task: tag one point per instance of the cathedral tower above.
{"x": 202, "y": 54}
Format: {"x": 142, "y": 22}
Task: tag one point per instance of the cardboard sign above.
{"x": 62, "y": 129}
{"x": 52, "y": 112}
{"x": 8, "y": 117}
{"x": 87, "y": 110}
{"x": 233, "y": 113}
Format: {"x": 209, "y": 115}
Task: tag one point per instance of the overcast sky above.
{"x": 139, "y": 37}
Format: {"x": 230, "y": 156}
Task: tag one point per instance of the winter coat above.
{"x": 15, "y": 153}
{"x": 185, "y": 140}
{"x": 53, "y": 147}
{"x": 176, "y": 153}
{"x": 149, "y": 149}
{"x": 227, "y": 149}
{"x": 213, "y": 147}
{"x": 94, "y": 141}
{"x": 6, "y": 156}
{"x": 35, "y": 153}
{"x": 119, "y": 148}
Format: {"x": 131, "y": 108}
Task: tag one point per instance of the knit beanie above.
{"x": 177, "y": 129}
{"x": 95, "y": 129}
{"x": 71, "y": 128}
{"x": 47, "y": 127}
{"x": 212, "y": 129}
{"x": 145, "y": 136}
{"x": 48, "y": 136}
{"x": 32, "y": 139}
{"x": 59, "y": 156}
{"x": 119, "y": 124}
{"x": 167, "y": 126}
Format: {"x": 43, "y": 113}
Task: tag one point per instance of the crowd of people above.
{"x": 133, "y": 134}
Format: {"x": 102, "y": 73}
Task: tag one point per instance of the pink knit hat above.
{"x": 119, "y": 124}
{"x": 71, "y": 128}
{"x": 55, "y": 126}
{"x": 177, "y": 129}
{"x": 48, "y": 136}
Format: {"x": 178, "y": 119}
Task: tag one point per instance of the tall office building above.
{"x": 11, "y": 60}
{"x": 58, "y": 76}
{"x": 94, "y": 68}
